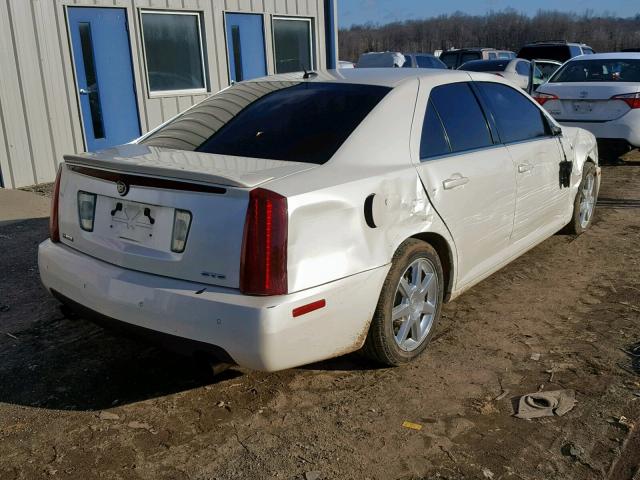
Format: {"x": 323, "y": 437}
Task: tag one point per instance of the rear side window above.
{"x": 522, "y": 68}
{"x": 425, "y": 62}
{"x": 492, "y": 56}
{"x": 575, "y": 50}
{"x": 468, "y": 56}
{"x": 463, "y": 119}
{"x": 433, "y": 141}
{"x": 303, "y": 123}
{"x": 485, "y": 66}
{"x": 517, "y": 118}
{"x": 449, "y": 59}
{"x": 550, "y": 52}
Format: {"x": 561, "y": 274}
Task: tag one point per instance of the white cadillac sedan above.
{"x": 296, "y": 218}
{"x": 600, "y": 93}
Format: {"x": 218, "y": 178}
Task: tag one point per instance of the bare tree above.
{"x": 505, "y": 29}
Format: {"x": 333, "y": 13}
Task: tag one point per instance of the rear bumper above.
{"x": 256, "y": 332}
{"x": 626, "y": 128}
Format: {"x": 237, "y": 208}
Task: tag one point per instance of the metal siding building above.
{"x": 47, "y": 70}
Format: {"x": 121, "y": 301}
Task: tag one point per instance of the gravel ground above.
{"x": 78, "y": 402}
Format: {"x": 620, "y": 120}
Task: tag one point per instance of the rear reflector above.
{"x": 309, "y": 308}
{"x": 631, "y": 99}
{"x": 263, "y": 265}
{"x": 54, "y": 227}
{"x": 543, "y": 98}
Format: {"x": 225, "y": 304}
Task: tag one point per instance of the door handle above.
{"x": 525, "y": 167}
{"x": 456, "y": 181}
{"x": 87, "y": 91}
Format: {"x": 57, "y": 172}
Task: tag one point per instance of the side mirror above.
{"x": 556, "y": 131}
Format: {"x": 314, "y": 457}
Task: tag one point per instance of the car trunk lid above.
{"x": 139, "y": 194}
{"x": 588, "y": 101}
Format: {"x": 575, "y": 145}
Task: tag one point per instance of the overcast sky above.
{"x": 385, "y": 11}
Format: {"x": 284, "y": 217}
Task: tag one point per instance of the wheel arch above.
{"x": 445, "y": 252}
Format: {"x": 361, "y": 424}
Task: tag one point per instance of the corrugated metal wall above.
{"x": 39, "y": 110}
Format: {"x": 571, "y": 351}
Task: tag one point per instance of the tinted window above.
{"x": 485, "y": 66}
{"x": 575, "y": 50}
{"x": 587, "y": 51}
{"x": 614, "y": 70}
{"x": 523, "y": 68}
{"x": 433, "y": 141}
{"x": 449, "y": 59}
{"x": 463, "y": 119}
{"x": 492, "y": 56}
{"x": 425, "y": 62}
{"x": 517, "y": 118}
{"x": 407, "y": 62}
{"x": 468, "y": 56}
{"x": 550, "y": 52}
{"x": 172, "y": 50}
{"x": 306, "y": 122}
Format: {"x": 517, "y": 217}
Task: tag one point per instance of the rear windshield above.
{"x": 294, "y": 121}
{"x": 599, "y": 71}
{"x": 562, "y": 53}
{"x": 382, "y": 60}
{"x": 485, "y": 66}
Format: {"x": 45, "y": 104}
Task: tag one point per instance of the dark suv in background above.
{"x": 454, "y": 58}
{"x": 554, "y": 50}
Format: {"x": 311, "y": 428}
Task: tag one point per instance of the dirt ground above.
{"x": 78, "y": 402}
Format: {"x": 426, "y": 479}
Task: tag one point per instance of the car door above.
{"x": 468, "y": 176}
{"x": 540, "y": 202}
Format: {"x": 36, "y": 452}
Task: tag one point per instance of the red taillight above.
{"x": 54, "y": 228}
{"x": 263, "y": 265}
{"x": 631, "y": 99}
{"x": 543, "y": 98}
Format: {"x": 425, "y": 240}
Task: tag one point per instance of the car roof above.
{"x": 608, "y": 56}
{"x": 387, "y": 77}
{"x": 556, "y": 43}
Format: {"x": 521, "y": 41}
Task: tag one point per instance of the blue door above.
{"x": 245, "y": 44}
{"x": 102, "y": 57}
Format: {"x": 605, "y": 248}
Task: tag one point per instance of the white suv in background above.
{"x": 600, "y": 93}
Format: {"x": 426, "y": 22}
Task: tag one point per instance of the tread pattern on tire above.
{"x": 377, "y": 346}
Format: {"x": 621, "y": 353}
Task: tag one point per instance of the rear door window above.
{"x": 433, "y": 141}
{"x": 462, "y": 117}
{"x": 516, "y": 117}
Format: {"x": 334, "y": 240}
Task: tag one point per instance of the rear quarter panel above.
{"x": 329, "y": 237}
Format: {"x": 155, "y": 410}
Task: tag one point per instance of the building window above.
{"x": 292, "y": 44}
{"x": 173, "y": 52}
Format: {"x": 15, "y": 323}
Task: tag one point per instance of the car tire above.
{"x": 413, "y": 301}
{"x": 584, "y": 205}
